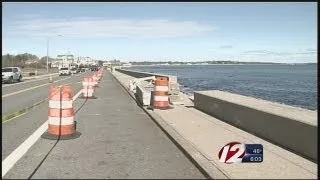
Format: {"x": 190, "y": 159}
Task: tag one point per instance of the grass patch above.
{"x": 17, "y": 113}
{"x": 4, "y": 118}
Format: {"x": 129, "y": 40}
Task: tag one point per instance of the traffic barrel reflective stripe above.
{"x": 61, "y": 115}
{"x": 161, "y": 98}
{"x": 161, "y": 88}
{"x": 58, "y": 104}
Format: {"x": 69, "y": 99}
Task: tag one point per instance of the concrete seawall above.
{"x": 290, "y": 127}
{"x": 200, "y": 136}
{"x": 138, "y": 74}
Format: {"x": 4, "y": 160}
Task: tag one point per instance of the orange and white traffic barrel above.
{"x": 130, "y": 87}
{"x": 60, "y": 118}
{"x": 88, "y": 87}
{"x": 50, "y": 80}
{"x": 95, "y": 80}
{"x": 99, "y": 76}
{"x": 161, "y": 89}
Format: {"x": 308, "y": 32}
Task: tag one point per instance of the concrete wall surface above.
{"x": 137, "y": 74}
{"x": 292, "y": 128}
{"x": 143, "y": 95}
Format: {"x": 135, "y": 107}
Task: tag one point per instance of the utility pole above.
{"x": 48, "y": 55}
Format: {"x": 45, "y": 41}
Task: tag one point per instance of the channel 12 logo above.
{"x": 236, "y": 152}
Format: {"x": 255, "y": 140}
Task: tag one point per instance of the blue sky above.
{"x": 269, "y": 32}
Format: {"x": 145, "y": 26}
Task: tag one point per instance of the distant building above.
{"x": 63, "y": 61}
{"x": 31, "y": 61}
{"x": 86, "y": 61}
{"x": 127, "y": 65}
{"x": 106, "y": 64}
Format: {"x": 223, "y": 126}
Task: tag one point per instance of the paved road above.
{"x": 19, "y": 96}
{"x": 15, "y": 131}
{"x": 118, "y": 141}
{"x": 8, "y": 88}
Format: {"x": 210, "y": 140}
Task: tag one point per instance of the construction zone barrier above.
{"x": 88, "y": 87}
{"x": 161, "y": 98}
{"x": 130, "y": 87}
{"x": 100, "y": 74}
{"x": 95, "y": 80}
{"x": 61, "y": 124}
{"x": 50, "y": 80}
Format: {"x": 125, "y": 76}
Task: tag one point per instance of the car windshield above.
{"x": 7, "y": 70}
{"x": 64, "y": 69}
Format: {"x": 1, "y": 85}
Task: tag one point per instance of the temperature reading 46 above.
{"x": 257, "y": 151}
{"x": 236, "y": 152}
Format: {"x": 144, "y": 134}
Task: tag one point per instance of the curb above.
{"x": 6, "y": 118}
{"x": 209, "y": 170}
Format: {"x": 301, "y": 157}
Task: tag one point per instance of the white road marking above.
{"x": 17, "y": 92}
{"x": 11, "y": 160}
{"x": 76, "y": 96}
{"x": 38, "y": 80}
{"x": 14, "y": 118}
{"x": 20, "y": 114}
{"x": 42, "y": 78}
{"x": 8, "y": 163}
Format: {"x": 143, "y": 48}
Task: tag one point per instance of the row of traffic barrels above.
{"x": 61, "y": 122}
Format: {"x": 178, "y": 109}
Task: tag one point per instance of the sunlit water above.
{"x": 294, "y": 85}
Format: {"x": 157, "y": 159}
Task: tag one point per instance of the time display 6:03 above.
{"x": 252, "y": 158}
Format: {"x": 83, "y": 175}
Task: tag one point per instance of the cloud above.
{"x": 266, "y": 52}
{"x": 311, "y": 49}
{"x": 274, "y": 53}
{"x": 106, "y": 28}
{"x": 307, "y": 53}
{"x": 226, "y": 47}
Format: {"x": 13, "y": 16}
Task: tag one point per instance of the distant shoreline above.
{"x": 222, "y": 64}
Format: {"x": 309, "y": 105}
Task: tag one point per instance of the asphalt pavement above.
{"x": 17, "y": 130}
{"x": 24, "y": 95}
{"x": 118, "y": 140}
{"x": 17, "y": 86}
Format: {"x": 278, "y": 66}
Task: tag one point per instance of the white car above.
{"x": 10, "y": 74}
{"x": 64, "y": 71}
{"x": 74, "y": 71}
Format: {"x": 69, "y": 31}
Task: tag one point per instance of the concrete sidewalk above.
{"x": 203, "y": 136}
{"x": 118, "y": 140}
